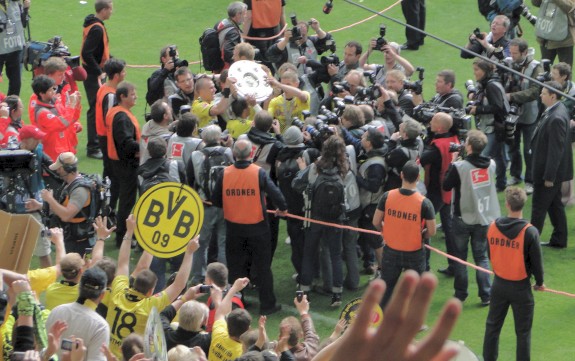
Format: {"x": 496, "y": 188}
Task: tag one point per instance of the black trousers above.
{"x": 548, "y": 201}
{"x": 296, "y": 234}
{"x": 91, "y": 86}
{"x": 255, "y": 251}
{"x": 414, "y": 13}
{"x": 518, "y": 295}
{"x": 109, "y": 172}
{"x": 128, "y": 190}
{"x": 565, "y": 54}
{"x": 13, "y": 63}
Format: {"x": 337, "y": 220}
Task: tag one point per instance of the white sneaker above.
{"x": 528, "y": 188}
{"x": 513, "y": 181}
{"x": 288, "y": 240}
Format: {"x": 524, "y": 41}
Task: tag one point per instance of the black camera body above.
{"x": 381, "y": 42}
{"x": 416, "y": 86}
{"x": 546, "y": 75}
{"x": 331, "y": 59}
{"x": 178, "y": 63}
{"x": 478, "y": 34}
{"x": 295, "y": 31}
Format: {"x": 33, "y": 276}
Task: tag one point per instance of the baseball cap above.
{"x": 93, "y": 279}
{"x": 66, "y": 158}
{"x": 30, "y": 131}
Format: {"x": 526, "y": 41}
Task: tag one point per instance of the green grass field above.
{"x": 139, "y": 29}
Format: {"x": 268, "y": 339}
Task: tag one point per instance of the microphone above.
{"x": 327, "y": 7}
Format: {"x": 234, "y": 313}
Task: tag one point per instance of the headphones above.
{"x": 68, "y": 168}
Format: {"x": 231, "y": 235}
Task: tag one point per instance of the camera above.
{"x": 478, "y": 34}
{"x": 332, "y": 59}
{"x": 299, "y": 295}
{"x": 511, "y": 123}
{"x": 470, "y": 87}
{"x": 295, "y": 31}
{"x": 173, "y": 53}
{"x": 205, "y": 288}
{"x": 368, "y": 93}
{"x": 416, "y": 86}
{"x": 381, "y": 42}
{"x": 67, "y": 345}
{"x": 461, "y": 121}
{"x": 37, "y": 52}
{"x": 546, "y": 75}
{"x": 329, "y": 117}
{"x": 527, "y": 14}
{"x": 340, "y": 87}
{"x": 456, "y": 147}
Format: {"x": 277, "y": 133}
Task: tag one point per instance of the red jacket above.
{"x": 58, "y": 122}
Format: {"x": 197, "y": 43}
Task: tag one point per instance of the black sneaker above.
{"x": 335, "y": 300}
{"x": 485, "y": 301}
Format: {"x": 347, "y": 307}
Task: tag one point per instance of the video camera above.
{"x": 173, "y": 53}
{"x": 461, "y": 121}
{"x": 37, "y": 52}
{"x": 16, "y": 167}
{"x": 381, "y": 42}
{"x": 416, "y": 86}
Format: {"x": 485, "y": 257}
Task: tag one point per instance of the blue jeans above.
{"x": 496, "y": 151}
{"x": 516, "y": 168}
{"x": 462, "y": 234}
{"x": 394, "y": 263}
{"x": 213, "y": 223}
{"x": 330, "y": 239}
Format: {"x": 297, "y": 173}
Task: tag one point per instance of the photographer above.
{"x": 229, "y": 32}
{"x": 185, "y": 90}
{"x": 13, "y": 20}
{"x": 490, "y": 108}
{"x": 524, "y": 93}
{"x": 162, "y": 84}
{"x": 561, "y": 73}
{"x": 394, "y": 80}
{"x": 73, "y": 207}
{"x": 298, "y": 50}
{"x": 435, "y": 159}
{"x": 393, "y": 61}
{"x": 488, "y": 44}
{"x": 351, "y": 55}
{"x": 446, "y": 96}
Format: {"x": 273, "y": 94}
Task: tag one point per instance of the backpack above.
{"x": 285, "y": 173}
{"x": 215, "y": 162}
{"x": 211, "y": 48}
{"x": 160, "y": 177}
{"x": 327, "y": 194}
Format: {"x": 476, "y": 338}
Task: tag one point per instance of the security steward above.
{"x": 515, "y": 255}
{"x": 405, "y": 218}
{"x": 240, "y": 192}
{"x": 73, "y": 207}
{"x": 124, "y": 152}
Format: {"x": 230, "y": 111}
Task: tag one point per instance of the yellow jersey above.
{"x": 284, "y": 110}
{"x": 129, "y": 310}
{"x": 223, "y": 348}
{"x": 59, "y": 293}
{"x": 237, "y": 127}
{"x": 201, "y": 109}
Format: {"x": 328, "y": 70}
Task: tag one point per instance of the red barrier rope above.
{"x": 468, "y": 264}
{"x": 268, "y": 38}
{"x": 366, "y": 19}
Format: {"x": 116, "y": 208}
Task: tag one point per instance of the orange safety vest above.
{"x": 402, "y": 223}
{"x": 507, "y": 255}
{"x": 100, "y": 119}
{"x": 266, "y": 13}
{"x": 446, "y": 158}
{"x": 112, "y": 152}
{"x": 241, "y": 195}
{"x": 106, "y": 54}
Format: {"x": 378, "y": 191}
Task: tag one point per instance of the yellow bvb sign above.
{"x": 168, "y": 215}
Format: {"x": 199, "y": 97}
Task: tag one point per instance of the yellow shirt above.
{"x": 201, "y": 109}
{"x": 223, "y": 348}
{"x": 59, "y": 293}
{"x": 237, "y": 127}
{"x": 285, "y": 110}
{"x": 41, "y": 278}
{"x": 129, "y": 310}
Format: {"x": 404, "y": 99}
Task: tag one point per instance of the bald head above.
{"x": 441, "y": 123}
{"x": 242, "y": 149}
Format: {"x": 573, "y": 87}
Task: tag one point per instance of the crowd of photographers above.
{"x": 329, "y": 143}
